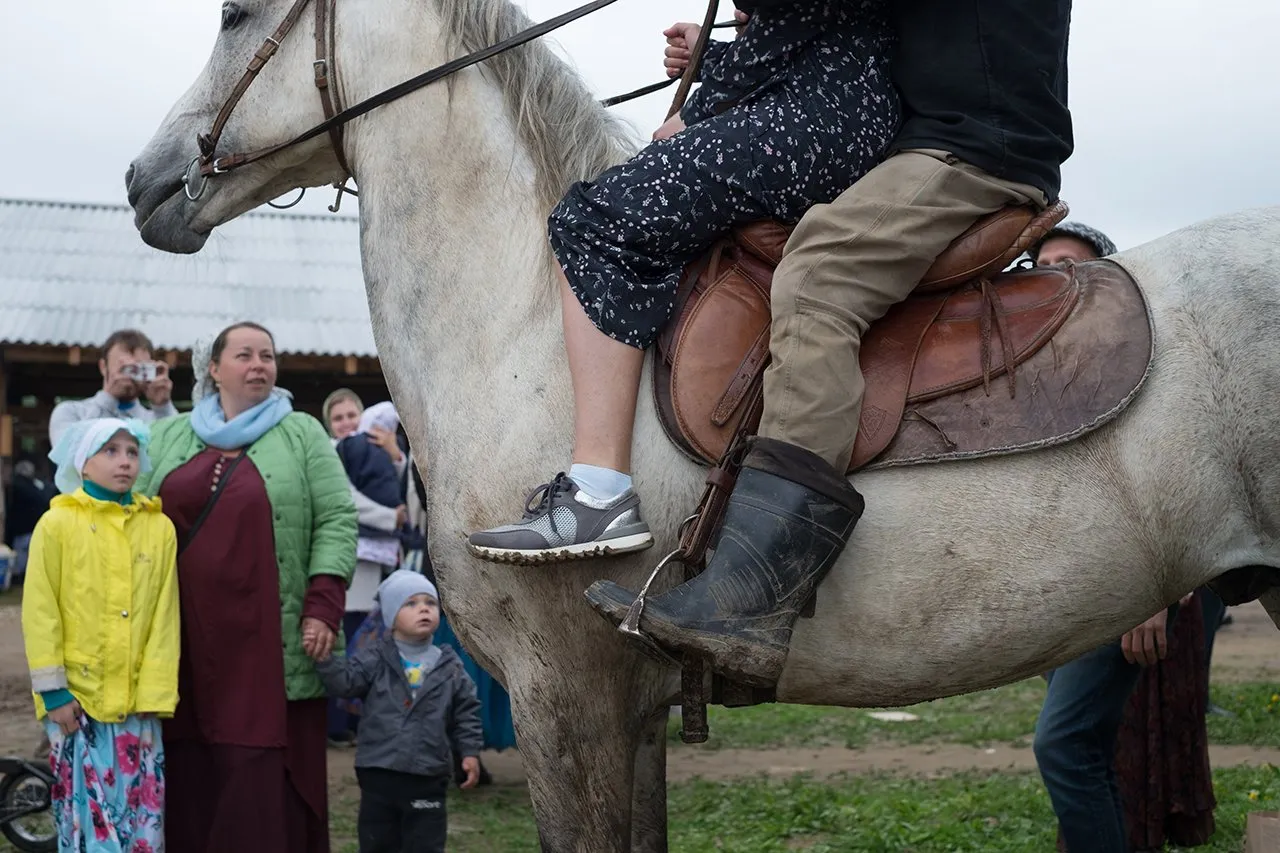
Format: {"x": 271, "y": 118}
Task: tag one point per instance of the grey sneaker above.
{"x": 562, "y": 522}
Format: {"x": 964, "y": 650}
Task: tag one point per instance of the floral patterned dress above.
{"x": 108, "y": 790}
{"x": 789, "y": 115}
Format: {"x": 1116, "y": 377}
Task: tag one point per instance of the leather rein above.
{"x": 208, "y": 163}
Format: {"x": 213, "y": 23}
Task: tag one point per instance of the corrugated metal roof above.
{"x": 71, "y": 274}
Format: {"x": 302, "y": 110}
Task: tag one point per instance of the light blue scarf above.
{"x": 209, "y": 422}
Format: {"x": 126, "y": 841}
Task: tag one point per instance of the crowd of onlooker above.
{"x": 190, "y": 582}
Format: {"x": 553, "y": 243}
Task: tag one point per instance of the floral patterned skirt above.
{"x": 108, "y": 792}
{"x": 623, "y": 239}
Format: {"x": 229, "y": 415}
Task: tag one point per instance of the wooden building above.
{"x": 71, "y": 274}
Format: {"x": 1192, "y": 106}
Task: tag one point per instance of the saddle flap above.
{"x": 888, "y": 357}
{"x": 730, "y": 319}
{"x": 1092, "y": 368}
{"x": 693, "y": 282}
{"x": 1034, "y": 305}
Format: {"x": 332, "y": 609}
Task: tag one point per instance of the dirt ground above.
{"x": 1246, "y": 650}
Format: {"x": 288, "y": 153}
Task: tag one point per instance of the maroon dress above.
{"x": 246, "y": 767}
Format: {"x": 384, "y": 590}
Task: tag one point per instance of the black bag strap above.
{"x": 208, "y": 506}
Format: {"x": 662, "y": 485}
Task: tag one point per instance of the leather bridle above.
{"x": 208, "y": 163}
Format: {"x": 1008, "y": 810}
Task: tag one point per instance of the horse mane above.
{"x": 570, "y": 137}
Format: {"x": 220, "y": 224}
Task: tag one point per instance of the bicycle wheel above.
{"x": 35, "y": 831}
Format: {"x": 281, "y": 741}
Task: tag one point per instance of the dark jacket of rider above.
{"x": 983, "y": 79}
{"x": 987, "y": 81}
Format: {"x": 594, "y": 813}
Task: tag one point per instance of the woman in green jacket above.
{"x": 266, "y": 541}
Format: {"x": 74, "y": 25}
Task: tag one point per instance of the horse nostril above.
{"x": 128, "y": 183}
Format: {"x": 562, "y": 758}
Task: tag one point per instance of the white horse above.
{"x": 960, "y": 576}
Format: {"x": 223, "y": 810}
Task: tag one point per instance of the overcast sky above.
{"x": 1176, "y": 103}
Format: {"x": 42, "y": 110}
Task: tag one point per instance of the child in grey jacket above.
{"x": 420, "y": 708}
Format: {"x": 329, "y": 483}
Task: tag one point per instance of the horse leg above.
{"x": 1271, "y": 601}
{"x": 649, "y": 800}
{"x": 578, "y": 732}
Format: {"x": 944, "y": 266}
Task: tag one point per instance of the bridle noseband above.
{"x": 208, "y": 163}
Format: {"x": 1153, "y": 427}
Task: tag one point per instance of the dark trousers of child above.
{"x": 401, "y": 812}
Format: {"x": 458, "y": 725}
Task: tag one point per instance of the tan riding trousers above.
{"x": 846, "y": 264}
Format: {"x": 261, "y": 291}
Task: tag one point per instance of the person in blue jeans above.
{"x": 1075, "y": 742}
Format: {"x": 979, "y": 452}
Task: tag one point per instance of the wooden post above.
{"x": 73, "y": 356}
{"x": 351, "y": 365}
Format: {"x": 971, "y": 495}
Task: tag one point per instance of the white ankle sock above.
{"x": 603, "y": 484}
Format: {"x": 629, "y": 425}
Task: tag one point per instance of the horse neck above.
{"x": 459, "y": 278}
{"x": 452, "y": 229}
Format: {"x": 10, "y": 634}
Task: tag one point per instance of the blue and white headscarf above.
{"x": 82, "y": 440}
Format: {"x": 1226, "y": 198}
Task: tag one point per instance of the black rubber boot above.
{"x": 787, "y": 521}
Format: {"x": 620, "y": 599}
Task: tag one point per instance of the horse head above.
{"x": 239, "y": 111}
{"x": 231, "y": 142}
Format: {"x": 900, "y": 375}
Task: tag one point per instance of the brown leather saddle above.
{"x": 1072, "y": 346}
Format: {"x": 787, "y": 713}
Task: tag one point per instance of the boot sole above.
{"x": 641, "y": 642}
{"x": 565, "y": 554}
{"x": 737, "y": 660}
{"x": 732, "y": 652}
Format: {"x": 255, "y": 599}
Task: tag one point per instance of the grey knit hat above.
{"x": 400, "y": 586}
{"x": 1100, "y": 242}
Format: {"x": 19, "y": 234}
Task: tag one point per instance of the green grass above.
{"x": 1006, "y": 715}
{"x": 981, "y": 813}
{"x": 991, "y": 813}
{"x": 1257, "y": 720}
{"x": 1000, "y": 813}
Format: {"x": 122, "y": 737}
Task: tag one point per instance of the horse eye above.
{"x": 232, "y": 15}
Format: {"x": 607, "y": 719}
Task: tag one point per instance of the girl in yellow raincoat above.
{"x": 100, "y": 623}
